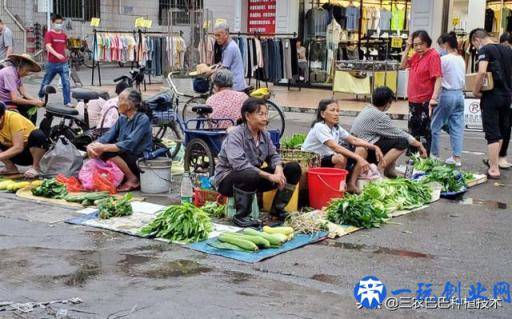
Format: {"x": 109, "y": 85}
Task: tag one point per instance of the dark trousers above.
{"x": 495, "y": 117}
{"x": 251, "y": 181}
{"x": 130, "y": 159}
{"x": 506, "y": 137}
{"x": 419, "y": 123}
{"x": 36, "y": 139}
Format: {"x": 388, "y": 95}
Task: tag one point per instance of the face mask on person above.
{"x": 442, "y": 51}
{"x": 57, "y": 26}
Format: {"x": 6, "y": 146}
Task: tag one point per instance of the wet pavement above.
{"x": 119, "y": 276}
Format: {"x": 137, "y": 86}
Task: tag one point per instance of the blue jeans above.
{"x": 450, "y": 110}
{"x": 62, "y": 69}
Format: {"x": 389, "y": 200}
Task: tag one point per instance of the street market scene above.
{"x": 255, "y": 158}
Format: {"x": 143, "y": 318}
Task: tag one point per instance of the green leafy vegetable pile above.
{"x": 183, "y": 223}
{"x": 214, "y": 209}
{"x": 450, "y": 179}
{"x": 50, "y": 189}
{"x": 445, "y": 174}
{"x": 357, "y": 211}
{"x": 425, "y": 164}
{"x": 293, "y": 142}
{"x": 378, "y": 199}
{"x": 112, "y": 207}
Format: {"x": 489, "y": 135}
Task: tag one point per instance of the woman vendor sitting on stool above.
{"x": 324, "y": 139}
{"x": 127, "y": 140}
{"x": 239, "y": 171}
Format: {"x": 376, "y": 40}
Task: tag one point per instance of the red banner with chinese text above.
{"x": 262, "y": 16}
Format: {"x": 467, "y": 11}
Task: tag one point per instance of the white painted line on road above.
{"x": 473, "y": 153}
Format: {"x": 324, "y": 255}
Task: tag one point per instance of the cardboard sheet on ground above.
{"x": 26, "y": 193}
{"x": 298, "y": 241}
{"x": 143, "y": 213}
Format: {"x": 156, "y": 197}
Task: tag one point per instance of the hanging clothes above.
{"x": 397, "y": 18}
{"x": 114, "y": 47}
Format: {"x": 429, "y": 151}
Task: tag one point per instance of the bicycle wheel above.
{"x": 87, "y": 58}
{"x": 199, "y": 158}
{"x": 186, "y": 113}
{"x": 169, "y": 135}
{"x": 275, "y": 118}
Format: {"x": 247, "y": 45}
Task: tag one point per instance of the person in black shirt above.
{"x": 506, "y": 40}
{"x": 495, "y": 103}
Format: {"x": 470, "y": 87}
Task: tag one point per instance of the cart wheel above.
{"x": 170, "y": 132}
{"x": 199, "y": 158}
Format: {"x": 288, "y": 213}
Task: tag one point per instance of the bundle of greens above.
{"x": 450, "y": 179}
{"x": 378, "y": 199}
{"x": 50, "y": 188}
{"x": 357, "y": 211}
{"x": 293, "y": 142}
{"x": 425, "y": 164}
{"x": 112, "y": 207}
{"x": 214, "y": 209}
{"x": 182, "y": 223}
{"x": 398, "y": 194}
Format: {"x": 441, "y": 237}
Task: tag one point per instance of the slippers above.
{"x": 486, "y": 162}
{"x": 31, "y": 173}
{"x": 490, "y": 176}
{"x": 128, "y": 187}
{"x": 5, "y": 172}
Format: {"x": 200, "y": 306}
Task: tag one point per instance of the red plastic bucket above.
{"x": 325, "y": 184}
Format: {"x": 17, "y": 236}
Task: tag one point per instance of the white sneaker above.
{"x": 452, "y": 161}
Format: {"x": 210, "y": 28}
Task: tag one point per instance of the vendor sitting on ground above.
{"x": 127, "y": 140}
{"x": 12, "y": 91}
{"x": 325, "y": 137}
{"x": 375, "y": 126}
{"x": 20, "y": 143}
{"x": 240, "y": 171}
{"x": 103, "y": 113}
{"x": 226, "y": 102}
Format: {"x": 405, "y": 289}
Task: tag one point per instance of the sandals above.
{"x": 32, "y": 173}
{"x": 486, "y": 162}
{"x": 491, "y": 176}
{"x": 126, "y": 187}
{"x": 4, "y": 171}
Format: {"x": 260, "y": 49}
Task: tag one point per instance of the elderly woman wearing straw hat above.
{"x": 12, "y": 91}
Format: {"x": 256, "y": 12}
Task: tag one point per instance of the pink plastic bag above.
{"x": 108, "y": 170}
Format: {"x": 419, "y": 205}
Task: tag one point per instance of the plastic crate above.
{"x": 163, "y": 117}
{"x": 201, "y": 196}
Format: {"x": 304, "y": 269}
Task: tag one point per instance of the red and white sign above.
{"x": 262, "y": 16}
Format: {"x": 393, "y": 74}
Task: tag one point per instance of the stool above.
{"x": 231, "y": 210}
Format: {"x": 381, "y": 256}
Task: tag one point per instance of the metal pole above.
{"x": 48, "y": 14}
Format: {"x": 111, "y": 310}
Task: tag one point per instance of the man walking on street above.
{"x": 495, "y": 103}
{"x": 56, "y": 42}
{"x": 6, "y": 41}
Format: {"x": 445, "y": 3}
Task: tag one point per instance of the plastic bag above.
{"x": 62, "y": 158}
{"x": 72, "y": 183}
{"x": 97, "y": 175}
{"x": 102, "y": 184}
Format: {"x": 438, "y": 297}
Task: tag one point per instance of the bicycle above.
{"x": 79, "y": 54}
{"x": 276, "y": 116}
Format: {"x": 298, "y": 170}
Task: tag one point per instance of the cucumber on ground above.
{"x": 274, "y": 239}
{"x": 242, "y": 243}
{"x": 225, "y": 246}
{"x": 258, "y": 240}
{"x": 278, "y": 230}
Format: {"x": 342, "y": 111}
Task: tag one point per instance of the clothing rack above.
{"x": 96, "y": 64}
